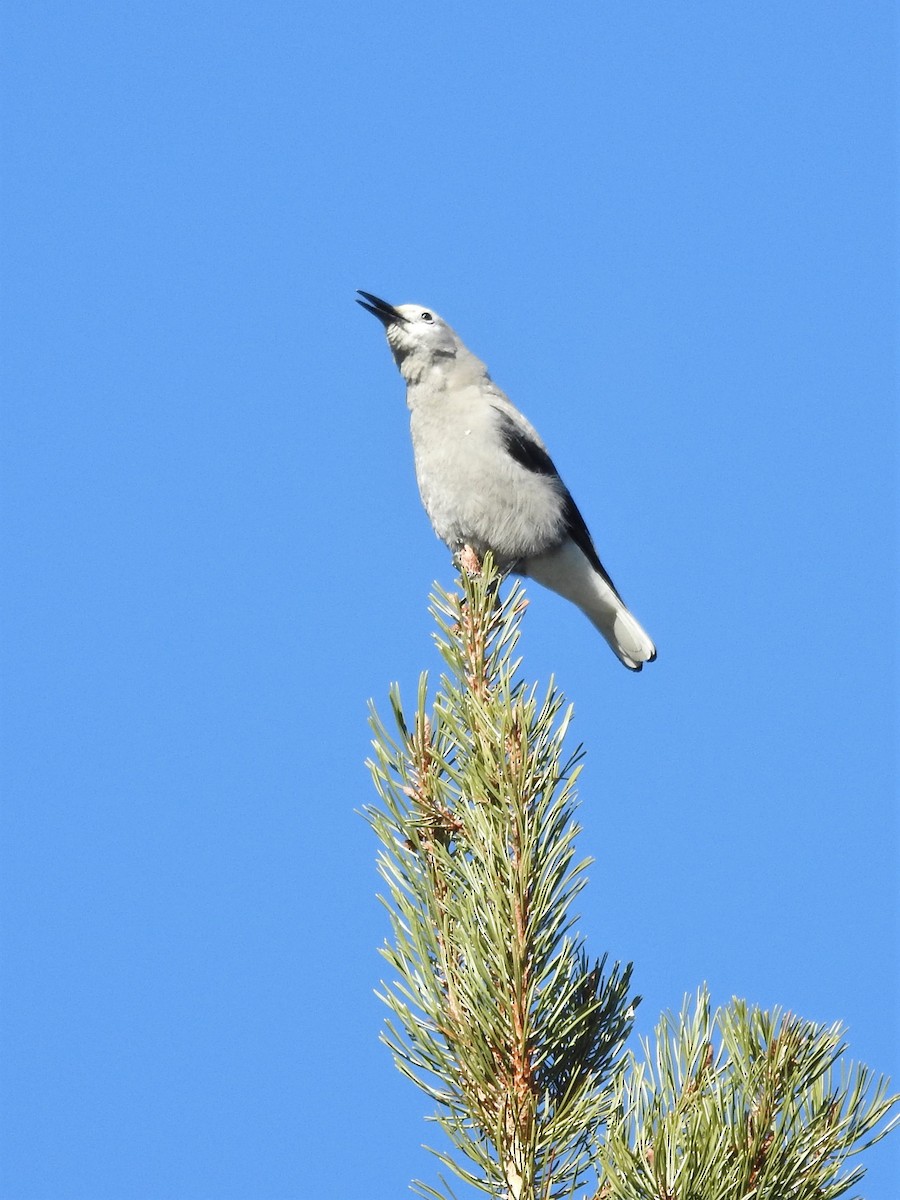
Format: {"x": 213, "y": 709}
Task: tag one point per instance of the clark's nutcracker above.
{"x": 487, "y": 481}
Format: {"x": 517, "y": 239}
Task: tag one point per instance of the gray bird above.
{"x": 487, "y": 481}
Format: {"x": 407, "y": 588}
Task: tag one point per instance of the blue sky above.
{"x": 670, "y": 231}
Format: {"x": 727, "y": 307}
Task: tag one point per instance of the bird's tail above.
{"x": 567, "y": 571}
{"x": 627, "y": 638}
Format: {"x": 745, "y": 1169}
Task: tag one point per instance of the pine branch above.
{"x": 497, "y": 1013}
{"x": 740, "y": 1105}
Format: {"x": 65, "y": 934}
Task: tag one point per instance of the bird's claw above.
{"x": 467, "y": 560}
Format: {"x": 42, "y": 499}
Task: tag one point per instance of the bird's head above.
{"x": 418, "y": 337}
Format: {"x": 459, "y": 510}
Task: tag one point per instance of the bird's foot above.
{"x": 467, "y": 560}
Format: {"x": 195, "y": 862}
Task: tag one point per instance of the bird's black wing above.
{"x": 531, "y": 455}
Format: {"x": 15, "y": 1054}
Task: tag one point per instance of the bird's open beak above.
{"x": 386, "y": 313}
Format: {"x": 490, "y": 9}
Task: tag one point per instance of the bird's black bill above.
{"x": 386, "y": 313}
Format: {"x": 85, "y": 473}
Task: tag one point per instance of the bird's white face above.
{"x": 420, "y": 331}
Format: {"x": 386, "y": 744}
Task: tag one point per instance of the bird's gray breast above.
{"x": 473, "y": 489}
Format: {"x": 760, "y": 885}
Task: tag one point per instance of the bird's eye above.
{"x": 426, "y": 316}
